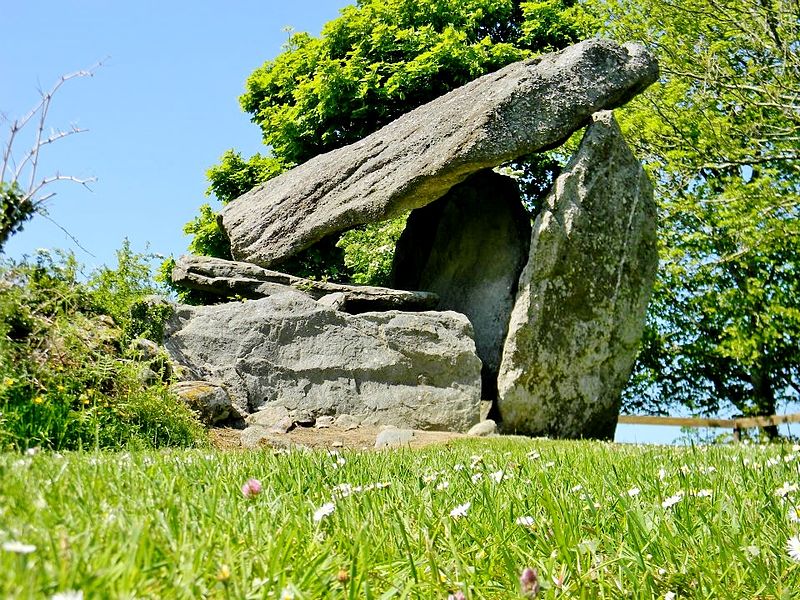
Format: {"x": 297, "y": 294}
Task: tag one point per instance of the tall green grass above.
{"x": 594, "y": 520}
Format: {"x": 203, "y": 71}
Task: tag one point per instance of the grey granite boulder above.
{"x": 469, "y": 247}
{"x": 394, "y": 368}
{"x": 210, "y": 401}
{"x": 525, "y": 107}
{"x": 227, "y": 278}
{"x": 580, "y": 309}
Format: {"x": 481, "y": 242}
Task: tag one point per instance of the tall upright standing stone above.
{"x": 579, "y": 312}
{"x": 469, "y": 247}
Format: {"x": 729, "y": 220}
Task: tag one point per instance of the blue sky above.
{"x": 160, "y": 111}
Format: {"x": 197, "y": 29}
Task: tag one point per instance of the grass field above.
{"x": 594, "y": 520}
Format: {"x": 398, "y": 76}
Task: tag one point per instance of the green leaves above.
{"x": 68, "y": 379}
{"x": 719, "y": 134}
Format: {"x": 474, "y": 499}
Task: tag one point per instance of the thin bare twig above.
{"x": 68, "y": 234}
{"x": 58, "y": 177}
{"x": 53, "y": 138}
{"x": 21, "y": 201}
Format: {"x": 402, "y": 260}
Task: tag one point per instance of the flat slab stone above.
{"x": 412, "y": 370}
{"x": 227, "y": 278}
{"x": 469, "y": 247}
{"x": 525, "y": 107}
{"x": 580, "y": 309}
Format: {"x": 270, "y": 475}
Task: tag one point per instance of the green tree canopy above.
{"x": 721, "y": 136}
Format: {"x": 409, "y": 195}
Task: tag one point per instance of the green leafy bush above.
{"x": 67, "y": 376}
{"x": 369, "y": 250}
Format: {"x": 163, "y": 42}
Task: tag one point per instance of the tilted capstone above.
{"x": 525, "y": 107}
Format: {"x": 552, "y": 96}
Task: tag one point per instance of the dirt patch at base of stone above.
{"x": 330, "y": 438}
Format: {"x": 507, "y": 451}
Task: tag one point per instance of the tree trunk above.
{"x": 764, "y": 398}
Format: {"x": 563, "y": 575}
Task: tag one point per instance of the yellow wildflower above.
{"x": 38, "y": 400}
{"x": 224, "y": 573}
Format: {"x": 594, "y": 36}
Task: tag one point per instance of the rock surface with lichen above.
{"x": 579, "y": 312}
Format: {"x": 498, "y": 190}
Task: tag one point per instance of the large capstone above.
{"x": 469, "y": 247}
{"x": 523, "y": 108}
{"x": 414, "y": 370}
{"x": 580, "y": 308}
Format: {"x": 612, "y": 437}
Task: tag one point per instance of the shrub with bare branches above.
{"x": 23, "y": 190}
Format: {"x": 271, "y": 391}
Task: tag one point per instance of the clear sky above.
{"x": 160, "y": 111}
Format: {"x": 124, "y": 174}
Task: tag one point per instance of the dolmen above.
{"x": 543, "y": 319}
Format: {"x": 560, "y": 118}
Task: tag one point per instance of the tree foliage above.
{"x": 377, "y": 61}
{"x": 721, "y": 136}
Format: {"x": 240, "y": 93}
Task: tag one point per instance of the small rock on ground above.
{"x": 393, "y": 437}
{"x": 268, "y": 416}
{"x": 347, "y": 422}
{"x": 324, "y": 422}
{"x": 484, "y": 428}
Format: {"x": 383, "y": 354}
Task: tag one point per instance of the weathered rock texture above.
{"x": 227, "y": 278}
{"x": 469, "y": 247}
{"x": 393, "y": 368}
{"x": 579, "y": 312}
{"x": 209, "y": 401}
{"x": 522, "y": 108}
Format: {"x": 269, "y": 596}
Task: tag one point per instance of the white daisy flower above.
{"x": 525, "y": 521}
{"x": 662, "y": 474}
{"x": 443, "y": 485}
{"x": 460, "y": 510}
{"x": 670, "y": 596}
{"x": 69, "y": 595}
{"x": 324, "y": 511}
{"x": 18, "y": 547}
{"x": 497, "y": 476}
{"x": 794, "y": 515}
{"x": 672, "y": 500}
{"x": 793, "y": 548}
{"x": 633, "y": 492}
{"x": 753, "y": 550}
{"x": 704, "y": 493}
{"x": 343, "y": 490}
{"x": 786, "y": 489}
